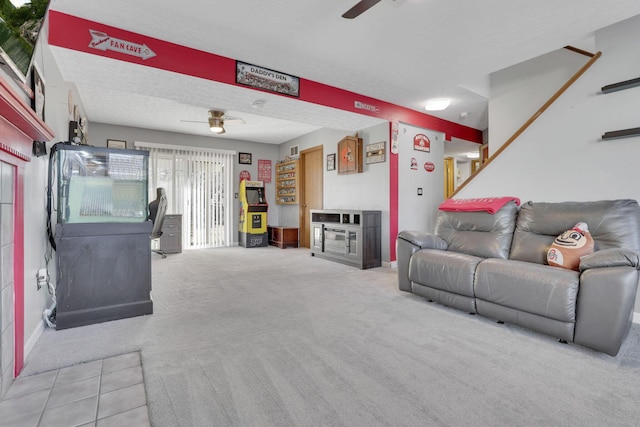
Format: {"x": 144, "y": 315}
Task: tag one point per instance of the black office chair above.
{"x": 157, "y": 209}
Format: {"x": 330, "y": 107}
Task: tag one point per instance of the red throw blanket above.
{"x": 488, "y": 204}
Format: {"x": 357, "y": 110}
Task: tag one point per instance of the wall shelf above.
{"x": 627, "y": 84}
{"x": 287, "y": 182}
{"x": 625, "y": 133}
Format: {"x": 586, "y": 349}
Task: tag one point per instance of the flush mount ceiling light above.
{"x": 473, "y": 155}
{"x": 216, "y": 124}
{"x": 437, "y": 104}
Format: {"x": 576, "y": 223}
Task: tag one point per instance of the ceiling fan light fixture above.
{"x": 437, "y": 104}
{"x": 216, "y": 124}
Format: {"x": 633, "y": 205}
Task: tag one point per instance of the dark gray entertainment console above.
{"x": 350, "y": 237}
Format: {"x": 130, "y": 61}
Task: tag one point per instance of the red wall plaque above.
{"x": 422, "y": 142}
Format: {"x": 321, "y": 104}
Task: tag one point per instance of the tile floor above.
{"x": 107, "y": 392}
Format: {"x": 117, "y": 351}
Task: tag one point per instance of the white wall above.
{"x": 519, "y": 91}
{"x": 561, "y": 156}
{"x": 368, "y": 190}
{"x": 57, "y": 118}
{"x": 418, "y": 212}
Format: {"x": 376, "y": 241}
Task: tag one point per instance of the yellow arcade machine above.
{"x": 253, "y": 214}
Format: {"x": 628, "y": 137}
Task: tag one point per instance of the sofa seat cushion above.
{"x": 448, "y": 271}
{"x": 533, "y": 288}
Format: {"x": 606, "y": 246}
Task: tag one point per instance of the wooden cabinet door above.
{"x": 349, "y": 155}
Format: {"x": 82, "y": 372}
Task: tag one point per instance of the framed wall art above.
{"x": 37, "y": 85}
{"x": 331, "y": 162}
{"x": 244, "y": 158}
{"x": 266, "y": 79}
{"x": 116, "y": 143}
{"x": 375, "y": 153}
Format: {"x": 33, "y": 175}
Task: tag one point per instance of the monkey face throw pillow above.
{"x": 568, "y": 247}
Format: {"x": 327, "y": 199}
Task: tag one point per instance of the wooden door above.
{"x": 311, "y": 195}
{"x": 449, "y": 177}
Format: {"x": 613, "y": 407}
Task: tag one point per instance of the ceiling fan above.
{"x": 364, "y": 5}
{"x": 217, "y": 119}
{"x": 360, "y": 8}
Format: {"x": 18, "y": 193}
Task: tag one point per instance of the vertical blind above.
{"x": 198, "y": 186}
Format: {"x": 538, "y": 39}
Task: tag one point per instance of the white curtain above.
{"x": 199, "y": 186}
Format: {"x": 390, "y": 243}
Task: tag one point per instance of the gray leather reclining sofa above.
{"x": 495, "y": 265}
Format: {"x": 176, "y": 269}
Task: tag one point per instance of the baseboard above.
{"x": 636, "y": 317}
{"x": 33, "y": 339}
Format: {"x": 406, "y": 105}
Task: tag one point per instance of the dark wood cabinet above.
{"x": 283, "y": 237}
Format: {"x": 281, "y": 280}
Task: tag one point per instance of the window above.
{"x": 198, "y": 186}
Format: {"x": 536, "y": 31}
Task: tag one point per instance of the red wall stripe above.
{"x": 394, "y": 180}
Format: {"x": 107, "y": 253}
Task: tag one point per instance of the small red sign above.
{"x": 429, "y": 167}
{"x": 264, "y": 171}
{"x": 422, "y": 142}
{"x": 245, "y": 174}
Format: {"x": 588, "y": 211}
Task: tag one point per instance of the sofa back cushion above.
{"x": 478, "y": 233}
{"x": 612, "y": 223}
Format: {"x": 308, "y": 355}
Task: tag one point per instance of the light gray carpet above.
{"x": 272, "y": 337}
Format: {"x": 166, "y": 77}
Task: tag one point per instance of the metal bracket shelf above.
{"x": 627, "y": 84}
{"x": 625, "y": 133}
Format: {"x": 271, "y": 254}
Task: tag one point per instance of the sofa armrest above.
{"x": 423, "y": 240}
{"x": 604, "y": 311}
{"x": 407, "y": 243}
{"x": 610, "y": 258}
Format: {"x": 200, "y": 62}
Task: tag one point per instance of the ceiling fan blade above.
{"x": 360, "y": 8}
{"x": 193, "y": 121}
{"x": 234, "y": 120}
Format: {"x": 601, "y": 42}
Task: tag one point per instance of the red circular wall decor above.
{"x": 429, "y": 167}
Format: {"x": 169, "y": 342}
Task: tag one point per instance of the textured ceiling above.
{"x": 402, "y": 52}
